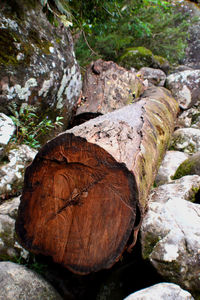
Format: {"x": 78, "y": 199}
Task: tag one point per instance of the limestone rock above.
{"x": 189, "y": 118}
{"x": 9, "y": 247}
{"x": 18, "y": 282}
{"x": 37, "y": 61}
{"x": 154, "y": 76}
{"x": 12, "y": 173}
{"x": 7, "y": 129}
{"x": 161, "y": 291}
{"x": 170, "y": 233}
{"x": 169, "y": 165}
{"x": 185, "y": 87}
{"x": 186, "y": 140}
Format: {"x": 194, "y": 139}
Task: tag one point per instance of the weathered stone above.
{"x": 9, "y": 247}
{"x": 136, "y": 57}
{"x": 19, "y": 283}
{"x": 164, "y": 291}
{"x": 37, "y": 62}
{"x": 189, "y": 118}
{"x": 7, "y": 129}
{"x": 184, "y": 188}
{"x": 12, "y": 173}
{"x": 185, "y": 87}
{"x": 107, "y": 87}
{"x": 186, "y": 140}
{"x": 170, "y": 233}
{"x": 154, "y": 76}
{"x": 169, "y": 165}
{"x": 160, "y": 62}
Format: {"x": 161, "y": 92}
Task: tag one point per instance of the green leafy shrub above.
{"x": 29, "y": 126}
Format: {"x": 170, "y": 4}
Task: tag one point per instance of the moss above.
{"x": 149, "y": 243}
{"x": 184, "y": 169}
{"x": 137, "y": 57}
{"x": 42, "y": 44}
{"x": 9, "y": 51}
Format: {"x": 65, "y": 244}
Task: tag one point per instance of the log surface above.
{"x": 83, "y": 191}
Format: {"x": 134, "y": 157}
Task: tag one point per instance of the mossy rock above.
{"x": 136, "y": 57}
{"x": 190, "y": 166}
{"x": 159, "y": 62}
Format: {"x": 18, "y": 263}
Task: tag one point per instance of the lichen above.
{"x": 149, "y": 243}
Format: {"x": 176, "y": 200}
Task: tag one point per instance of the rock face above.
{"x": 171, "y": 232}
{"x": 9, "y": 248}
{"x": 7, "y": 129}
{"x": 169, "y": 165}
{"x": 17, "y": 282}
{"x": 12, "y": 173}
{"x": 190, "y": 166}
{"x": 185, "y": 87}
{"x": 164, "y": 291}
{"x": 37, "y": 63}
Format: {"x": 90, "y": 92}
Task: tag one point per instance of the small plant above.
{"x": 29, "y": 126}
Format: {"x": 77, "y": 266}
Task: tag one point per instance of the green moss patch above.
{"x": 136, "y": 57}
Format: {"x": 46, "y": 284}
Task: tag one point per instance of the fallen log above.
{"x": 86, "y": 190}
{"x": 107, "y": 87}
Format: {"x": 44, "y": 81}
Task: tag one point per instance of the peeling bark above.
{"x": 84, "y": 190}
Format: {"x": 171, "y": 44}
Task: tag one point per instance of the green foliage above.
{"x": 156, "y": 25}
{"x": 29, "y": 126}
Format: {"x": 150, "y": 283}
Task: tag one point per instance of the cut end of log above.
{"x": 78, "y": 205}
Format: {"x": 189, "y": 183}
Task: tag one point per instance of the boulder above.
{"x": 170, "y": 233}
{"x": 160, "y": 62}
{"x": 161, "y": 291}
{"x": 154, "y": 76}
{"x": 136, "y": 57}
{"x": 169, "y": 165}
{"x": 37, "y": 61}
{"x": 18, "y": 282}
{"x": 185, "y": 87}
{"x": 7, "y": 129}
{"x": 189, "y": 118}
{"x": 9, "y": 247}
{"x": 186, "y": 140}
{"x": 12, "y": 172}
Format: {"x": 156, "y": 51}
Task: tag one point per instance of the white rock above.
{"x": 9, "y": 248}
{"x": 186, "y": 140}
{"x": 7, "y": 129}
{"x": 185, "y": 87}
{"x": 169, "y": 165}
{"x": 19, "y": 283}
{"x": 170, "y": 232}
{"x": 12, "y": 173}
{"x": 161, "y": 291}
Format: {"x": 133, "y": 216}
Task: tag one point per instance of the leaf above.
{"x": 64, "y": 20}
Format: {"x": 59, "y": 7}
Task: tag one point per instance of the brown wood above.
{"x": 107, "y": 87}
{"x": 84, "y": 190}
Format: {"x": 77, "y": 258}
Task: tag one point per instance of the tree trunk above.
{"x": 86, "y": 190}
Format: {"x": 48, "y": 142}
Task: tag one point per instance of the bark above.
{"x": 87, "y": 189}
{"x": 107, "y": 87}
